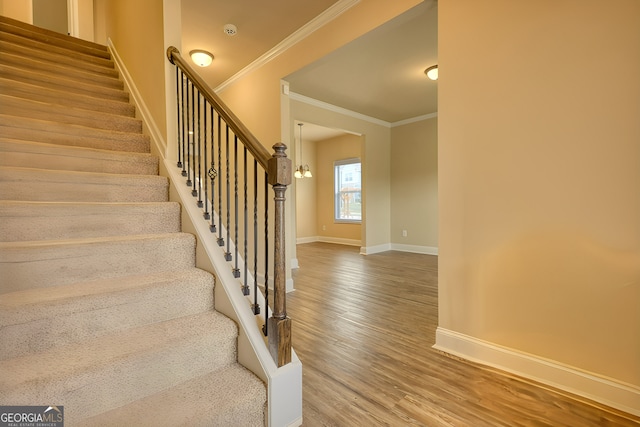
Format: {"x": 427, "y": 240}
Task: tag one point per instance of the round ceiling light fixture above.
{"x": 201, "y": 58}
{"x": 230, "y": 30}
{"x": 432, "y": 72}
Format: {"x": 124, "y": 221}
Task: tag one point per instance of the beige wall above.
{"x": 414, "y": 183}
{"x": 328, "y": 151}
{"x": 140, "y": 44}
{"x": 22, "y": 10}
{"x": 539, "y": 179}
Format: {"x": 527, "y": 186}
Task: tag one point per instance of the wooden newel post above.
{"x": 279, "y": 325}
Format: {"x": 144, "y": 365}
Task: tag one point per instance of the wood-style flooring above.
{"x": 363, "y": 327}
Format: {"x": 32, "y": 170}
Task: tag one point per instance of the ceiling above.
{"x": 380, "y": 74}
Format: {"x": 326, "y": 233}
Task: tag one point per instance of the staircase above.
{"x": 102, "y": 310}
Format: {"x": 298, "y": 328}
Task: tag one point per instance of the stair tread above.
{"x": 10, "y": 173}
{"x": 90, "y": 240}
{"x": 63, "y": 98}
{"x": 23, "y": 107}
{"x": 38, "y": 220}
{"x": 68, "y": 84}
{"x": 36, "y": 208}
{"x": 24, "y": 306}
{"x": 27, "y": 129}
{"x": 10, "y": 144}
{"x": 231, "y": 396}
{"x": 53, "y": 126}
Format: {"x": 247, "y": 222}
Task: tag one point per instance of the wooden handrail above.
{"x": 251, "y": 142}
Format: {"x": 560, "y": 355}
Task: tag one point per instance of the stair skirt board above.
{"x": 101, "y": 307}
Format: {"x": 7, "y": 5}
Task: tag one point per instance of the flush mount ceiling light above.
{"x": 432, "y": 72}
{"x": 201, "y": 58}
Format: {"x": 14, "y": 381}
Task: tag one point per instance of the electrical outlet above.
{"x": 404, "y": 233}
{"x": 324, "y": 228}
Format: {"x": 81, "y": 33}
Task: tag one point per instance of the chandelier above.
{"x": 302, "y": 171}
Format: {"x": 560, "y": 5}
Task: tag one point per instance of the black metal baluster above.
{"x": 191, "y": 135}
{"x": 205, "y": 183}
{"x": 178, "y": 112}
{"x": 197, "y": 183}
{"x": 220, "y": 239}
{"x": 245, "y": 289}
{"x": 266, "y": 254}
{"x": 185, "y": 126}
{"x": 256, "y": 306}
{"x": 212, "y": 171}
{"x": 236, "y": 270}
{"x": 228, "y": 255}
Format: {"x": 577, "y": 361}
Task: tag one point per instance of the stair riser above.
{"x": 86, "y": 317}
{"x": 85, "y": 137}
{"x": 90, "y": 392}
{"x": 60, "y": 70}
{"x": 64, "y": 99}
{"x": 21, "y": 222}
{"x": 62, "y": 263}
{"x": 48, "y": 37}
{"x": 62, "y": 83}
{"x": 25, "y": 108}
{"x": 54, "y": 58}
{"x": 47, "y": 156}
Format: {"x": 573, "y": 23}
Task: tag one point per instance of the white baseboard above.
{"x": 610, "y": 392}
{"x": 301, "y": 240}
{"x": 368, "y": 250}
{"x": 427, "y": 250}
{"x": 328, "y": 239}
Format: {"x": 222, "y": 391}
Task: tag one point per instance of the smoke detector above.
{"x": 230, "y": 30}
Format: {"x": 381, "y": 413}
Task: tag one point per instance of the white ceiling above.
{"x": 380, "y": 75}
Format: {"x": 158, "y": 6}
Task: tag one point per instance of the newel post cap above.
{"x": 279, "y": 166}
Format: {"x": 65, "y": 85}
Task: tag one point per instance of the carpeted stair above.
{"x": 102, "y": 310}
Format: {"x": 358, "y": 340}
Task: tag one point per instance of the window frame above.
{"x": 336, "y": 203}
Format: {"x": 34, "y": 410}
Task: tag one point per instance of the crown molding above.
{"x": 303, "y": 32}
{"x": 415, "y": 119}
{"x": 350, "y": 113}
{"x": 326, "y": 106}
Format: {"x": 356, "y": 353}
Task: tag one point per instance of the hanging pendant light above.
{"x": 302, "y": 171}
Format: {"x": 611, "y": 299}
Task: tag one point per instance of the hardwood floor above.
{"x": 363, "y": 327}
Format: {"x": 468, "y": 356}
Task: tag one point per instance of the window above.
{"x": 348, "y": 190}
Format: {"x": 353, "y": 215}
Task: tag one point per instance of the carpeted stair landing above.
{"x": 102, "y": 310}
